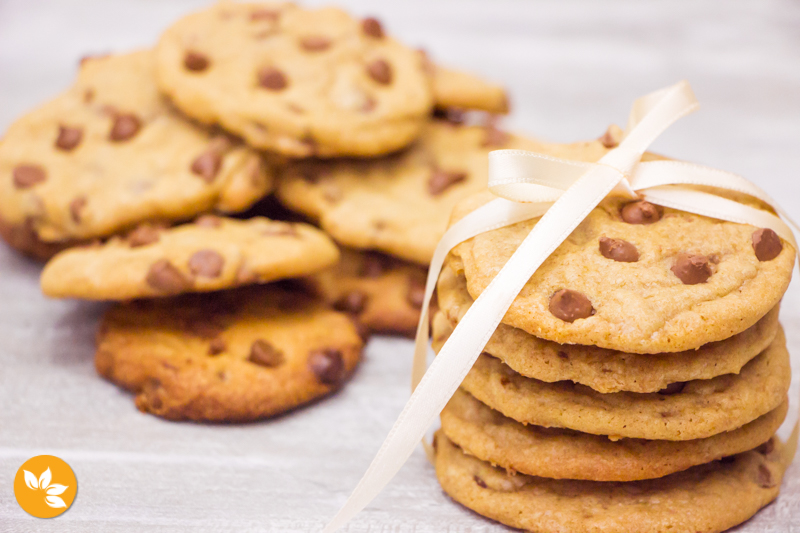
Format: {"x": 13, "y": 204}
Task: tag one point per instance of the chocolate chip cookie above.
{"x": 229, "y": 356}
{"x": 606, "y": 370}
{"x": 110, "y": 153}
{"x": 637, "y": 278}
{"x": 401, "y": 204}
{"x": 456, "y": 90}
{"x": 300, "y": 82}
{"x": 384, "y": 294}
{"x": 709, "y": 498}
{"x": 565, "y": 454}
{"x": 209, "y": 254}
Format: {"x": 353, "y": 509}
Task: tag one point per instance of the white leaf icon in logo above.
{"x": 44, "y": 479}
{"x": 55, "y": 489}
{"x": 31, "y": 481}
{"x": 55, "y": 502}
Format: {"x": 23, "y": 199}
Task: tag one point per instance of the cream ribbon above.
{"x": 562, "y": 193}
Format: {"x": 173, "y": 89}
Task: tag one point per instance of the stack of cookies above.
{"x": 635, "y": 383}
{"x": 147, "y": 182}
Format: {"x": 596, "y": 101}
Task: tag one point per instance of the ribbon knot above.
{"x": 562, "y": 192}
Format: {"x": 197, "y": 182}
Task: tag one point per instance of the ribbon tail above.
{"x": 470, "y": 336}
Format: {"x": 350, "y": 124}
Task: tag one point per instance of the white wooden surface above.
{"x": 572, "y": 67}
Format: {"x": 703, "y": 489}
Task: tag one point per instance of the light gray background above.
{"x": 572, "y": 67}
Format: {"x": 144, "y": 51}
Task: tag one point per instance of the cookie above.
{"x": 384, "y": 294}
{"x": 229, "y": 356}
{"x": 453, "y": 89}
{"x": 209, "y": 254}
{"x": 565, "y": 454}
{"x": 296, "y": 81}
{"x": 707, "y": 498}
{"x": 606, "y": 370}
{"x": 683, "y": 411}
{"x": 636, "y": 277}
{"x": 110, "y": 153}
{"x": 400, "y": 204}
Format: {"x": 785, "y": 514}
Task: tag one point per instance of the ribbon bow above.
{"x": 562, "y": 193}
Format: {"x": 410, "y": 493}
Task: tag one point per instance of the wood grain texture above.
{"x": 571, "y": 68}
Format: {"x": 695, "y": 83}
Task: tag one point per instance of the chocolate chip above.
{"x": 315, "y": 43}
{"x": 207, "y": 164}
{"x": 26, "y": 176}
{"x": 608, "y": 139}
{"x": 380, "y": 71}
{"x": 641, "y": 212}
{"x": 416, "y": 293}
{"x": 372, "y": 27}
{"x": 766, "y": 244}
{"x": 68, "y": 138}
{"x": 672, "y": 388}
{"x": 766, "y": 448}
{"x": 374, "y": 265}
{"x": 265, "y": 354}
{"x": 272, "y": 79}
{"x": 217, "y": 346}
{"x": 618, "y": 250}
{"x": 143, "y": 235}
{"x": 764, "y": 477}
{"x": 76, "y": 206}
{"x": 165, "y": 278}
{"x": 453, "y": 115}
{"x": 125, "y": 127}
{"x": 327, "y": 365}
{"x": 208, "y": 221}
{"x": 692, "y": 269}
{"x": 478, "y": 481}
{"x": 352, "y": 302}
{"x": 195, "y": 61}
{"x": 206, "y": 263}
{"x": 569, "y": 305}
{"x": 441, "y": 180}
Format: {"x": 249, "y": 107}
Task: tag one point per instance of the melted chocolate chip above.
{"x": 672, "y": 388}
{"x": 569, "y": 305}
{"x": 380, "y": 71}
{"x": 618, "y": 250}
{"x": 265, "y": 354}
{"x": 68, "y": 138}
{"x": 206, "y": 263}
{"x": 195, "y": 61}
{"x": 764, "y": 477}
{"x": 351, "y": 302}
{"x": 315, "y": 43}
{"x": 217, "y": 346}
{"x": 441, "y": 180}
{"x": 327, "y": 365}
{"x": 416, "y": 293}
{"x": 372, "y": 27}
{"x": 26, "y": 176}
{"x": 641, "y": 212}
{"x": 766, "y": 244}
{"x": 453, "y": 115}
{"x": 165, "y": 278}
{"x": 273, "y": 79}
{"x": 766, "y": 448}
{"x": 125, "y": 127}
{"x": 143, "y": 235}
{"x": 374, "y": 265}
{"x": 207, "y": 165}
{"x": 478, "y": 481}
{"x": 75, "y": 208}
{"x": 692, "y": 269}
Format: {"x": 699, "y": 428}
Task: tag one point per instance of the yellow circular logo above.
{"x": 45, "y": 486}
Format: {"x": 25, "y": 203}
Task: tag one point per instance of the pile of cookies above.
{"x": 635, "y": 383}
{"x": 149, "y": 183}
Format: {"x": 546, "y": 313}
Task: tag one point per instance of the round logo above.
{"x": 45, "y": 486}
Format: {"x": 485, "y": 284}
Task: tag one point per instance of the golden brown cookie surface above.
{"x": 707, "y": 498}
{"x": 565, "y": 454}
{"x": 605, "y": 370}
{"x": 209, "y": 254}
{"x": 296, "y": 81}
{"x": 230, "y": 356}
{"x": 110, "y": 153}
